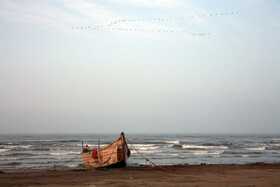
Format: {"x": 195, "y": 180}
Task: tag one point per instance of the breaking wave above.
{"x": 173, "y": 142}
{"x": 146, "y": 152}
{"x": 14, "y": 147}
{"x": 4, "y": 150}
{"x": 205, "y": 153}
{"x": 143, "y": 145}
{"x": 177, "y": 144}
{"x": 65, "y": 153}
{"x": 255, "y": 148}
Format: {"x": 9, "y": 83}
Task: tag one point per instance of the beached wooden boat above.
{"x": 112, "y": 155}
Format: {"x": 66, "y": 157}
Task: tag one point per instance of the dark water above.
{"x": 44, "y": 151}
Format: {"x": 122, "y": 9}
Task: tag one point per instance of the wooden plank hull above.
{"x": 112, "y": 155}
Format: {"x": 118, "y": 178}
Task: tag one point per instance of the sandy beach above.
{"x": 188, "y": 175}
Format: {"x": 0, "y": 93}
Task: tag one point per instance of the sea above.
{"x": 47, "y": 151}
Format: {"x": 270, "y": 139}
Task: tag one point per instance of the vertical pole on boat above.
{"x": 82, "y": 145}
{"x": 98, "y": 144}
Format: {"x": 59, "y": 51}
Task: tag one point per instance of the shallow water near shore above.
{"x": 38, "y": 151}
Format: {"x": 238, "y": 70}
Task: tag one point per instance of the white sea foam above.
{"x": 167, "y": 154}
{"x": 143, "y": 145}
{"x": 65, "y": 153}
{"x": 173, "y": 142}
{"x": 4, "y": 150}
{"x": 215, "y": 152}
{"x": 184, "y": 146}
{"x": 73, "y": 165}
{"x": 198, "y": 153}
{"x": 16, "y": 146}
{"x": 9, "y": 147}
{"x": 146, "y": 151}
{"x": 203, "y": 147}
{"x": 147, "y": 148}
{"x": 245, "y": 156}
{"x": 25, "y": 146}
{"x": 256, "y": 148}
{"x": 205, "y": 153}
{"x": 276, "y": 145}
{"x": 276, "y": 139}
{"x": 215, "y": 156}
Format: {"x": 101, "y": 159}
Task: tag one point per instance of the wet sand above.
{"x": 188, "y": 175}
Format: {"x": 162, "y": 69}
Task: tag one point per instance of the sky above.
{"x": 139, "y": 66}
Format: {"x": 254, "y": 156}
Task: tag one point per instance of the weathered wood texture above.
{"x": 111, "y": 154}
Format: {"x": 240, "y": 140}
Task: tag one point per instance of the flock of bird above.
{"x": 111, "y": 25}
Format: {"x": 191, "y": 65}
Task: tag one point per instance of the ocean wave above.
{"x": 160, "y": 149}
{"x": 73, "y": 165}
{"x": 65, "y": 141}
{"x": 143, "y": 145}
{"x": 11, "y": 164}
{"x": 8, "y": 159}
{"x": 50, "y": 144}
{"x": 146, "y": 148}
{"x": 58, "y": 158}
{"x": 44, "y": 162}
{"x": 255, "y": 148}
{"x": 193, "y": 147}
{"x": 237, "y": 146}
{"x": 40, "y": 149}
{"x": 19, "y": 146}
{"x": 239, "y": 155}
{"x": 244, "y": 156}
{"x": 218, "y": 144}
{"x": 273, "y": 148}
{"x": 146, "y": 151}
{"x": 65, "y": 153}
{"x": 205, "y": 153}
{"x": 242, "y": 152}
{"x": 4, "y": 150}
{"x": 274, "y": 145}
{"x": 180, "y": 145}
{"x": 206, "y": 147}
{"x": 15, "y": 147}
{"x": 173, "y": 142}
{"x": 20, "y": 154}
{"x": 215, "y": 156}
{"x": 167, "y": 154}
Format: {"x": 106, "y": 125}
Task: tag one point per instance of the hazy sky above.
{"x": 59, "y": 80}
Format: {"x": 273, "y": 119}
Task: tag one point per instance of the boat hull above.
{"x": 112, "y": 155}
